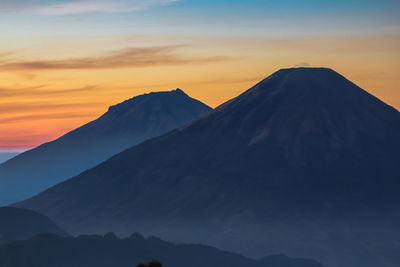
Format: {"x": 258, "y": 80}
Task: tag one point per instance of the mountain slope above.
{"x": 123, "y": 126}
{"x": 6, "y": 156}
{"x": 304, "y": 163}
{"x": 285, "y": 261}
{"x": 98, "y": 251}
{"x": 20, "y": 224}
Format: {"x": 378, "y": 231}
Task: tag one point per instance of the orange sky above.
{"x": 54, "y": 81}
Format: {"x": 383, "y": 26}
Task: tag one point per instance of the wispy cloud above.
{"x": 70, "y": 7}
{"x": 40, "y": 91}
{"x": 21, "y": 107}
{"x": 25, "y": 118}
{"x": 302, "y": 64}
{"x": 22, "y": 140}
{"x": 5, "y": 55}
{"x": 131, "y": 57}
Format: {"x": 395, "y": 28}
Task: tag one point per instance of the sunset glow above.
{"x": 62, "y": 63}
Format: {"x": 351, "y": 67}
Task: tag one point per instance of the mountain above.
{"x": 20, "y": 224}
{"x": 124, "y": 125}
{"x": 305, "y": 163}
{"x": 285, "y": 261}
{"x": 107, "y": 251}
{"x": 4, "y": 156}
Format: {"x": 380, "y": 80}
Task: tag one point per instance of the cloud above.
{"x": 12, "y": 5}
{"x": 40, "y": 91}
{"x": 70, "y": 7}
{"x": 125, "y": 58}
{"x": 22, "y": 107}
{"x": 24, "y": 118}
{"x": 302, "y": 64}
{"x": 23, "y": 140}
{"x": 5, "y": 55}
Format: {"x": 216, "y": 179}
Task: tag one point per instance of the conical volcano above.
{"x": 303, "y": 163}
{"x": 310, "y": 116}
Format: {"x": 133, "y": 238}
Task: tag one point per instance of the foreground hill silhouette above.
{"x": 20, "y": 224}
{"x": 305, "y": 163}
{"x": 97, "y": 251}
{"x": 123, "y": 126}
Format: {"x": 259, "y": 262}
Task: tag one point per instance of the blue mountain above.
{"x": 122, "y": 126}
{"x": 20, "y": 224}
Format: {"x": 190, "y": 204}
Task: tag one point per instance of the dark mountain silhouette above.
{"x": 20, "y": 224}
{"x": 97, "y": 251}
{"x": 123, "y": 126}
{"x": 283, "y": 260}
{"x": 150, "y": 264}
{"x": 305, "y": 163}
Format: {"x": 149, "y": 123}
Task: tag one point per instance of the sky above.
{"x": 62, "y": 63}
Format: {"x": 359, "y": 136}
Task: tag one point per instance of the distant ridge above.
{"x": 21, "y": 224}
{"x": 104, "y": 251}
{"x": 123, "y": 126}
{"x": 304, "y": 163}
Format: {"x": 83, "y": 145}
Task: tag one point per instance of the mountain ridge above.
{"x": 19, "y": 224}
{"x": 47, "y": 250}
